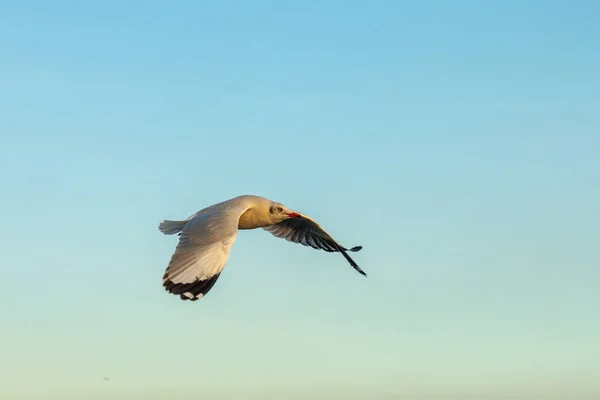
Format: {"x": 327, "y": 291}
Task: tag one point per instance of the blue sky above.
{"x": 458, "y": 142}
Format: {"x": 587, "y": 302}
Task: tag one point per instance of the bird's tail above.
{"x": 171, "y": 227}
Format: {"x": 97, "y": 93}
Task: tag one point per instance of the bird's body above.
{"x": 207, "y": 236}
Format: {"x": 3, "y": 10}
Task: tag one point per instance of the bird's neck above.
{"x": 251, "y": 219}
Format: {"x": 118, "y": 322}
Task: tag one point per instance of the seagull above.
{"x": 206, "y": 239}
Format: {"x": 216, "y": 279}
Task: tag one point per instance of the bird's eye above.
{"x": 279, "y": 209}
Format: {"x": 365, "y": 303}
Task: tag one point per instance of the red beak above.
{"x": 293, "y": 215}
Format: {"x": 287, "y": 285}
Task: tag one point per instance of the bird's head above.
{"x": 278, "y": 212}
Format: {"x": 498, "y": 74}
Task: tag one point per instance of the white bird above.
{"x": 207, "y": 236}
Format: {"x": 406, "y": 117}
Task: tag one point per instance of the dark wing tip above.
{"x": 356, "y": 248}
{"x": 351, "y": 261}
{"x": 191, "y": 291}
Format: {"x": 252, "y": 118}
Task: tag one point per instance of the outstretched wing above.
{"x": 201, "y": 254}
{"x": 306, "y": 231}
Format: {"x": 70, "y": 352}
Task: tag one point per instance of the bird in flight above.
{"x": 206, "y": 238}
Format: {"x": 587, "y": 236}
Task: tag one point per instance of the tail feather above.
{"x": 171, "y": 227}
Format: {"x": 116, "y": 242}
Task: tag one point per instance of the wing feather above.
{"x": 202, "y": 253}
{"x": 308, "y": 232}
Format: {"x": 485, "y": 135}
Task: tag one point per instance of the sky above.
{"x": 457, "y": 142}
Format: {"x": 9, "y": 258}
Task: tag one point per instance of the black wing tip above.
{"x": 356, "y": 248}
{"x": 351, "y": 261}
{"x": 190, "y": 291}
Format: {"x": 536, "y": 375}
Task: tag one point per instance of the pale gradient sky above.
{"x": 458, "y": 142}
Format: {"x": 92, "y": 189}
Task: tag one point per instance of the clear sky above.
{"x": 458, "y": 142}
